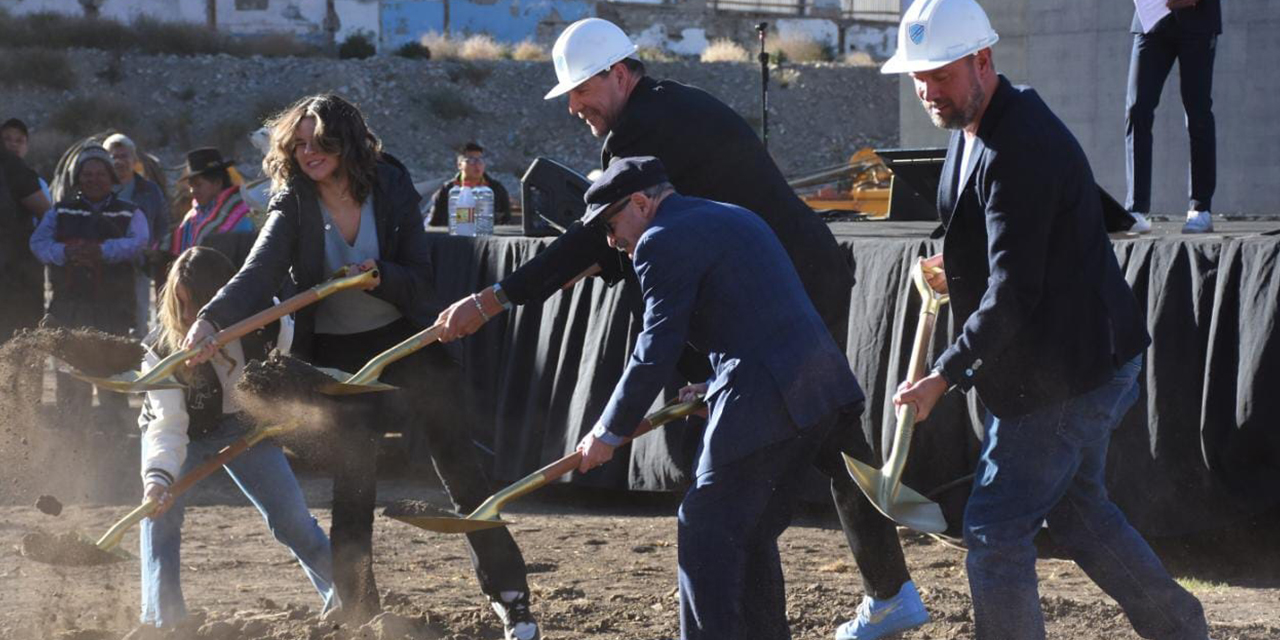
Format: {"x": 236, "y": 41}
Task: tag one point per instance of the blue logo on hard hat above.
{"x": 916, "y": 33}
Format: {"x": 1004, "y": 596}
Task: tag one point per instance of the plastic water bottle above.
{"x": 462, "y": 211}
{"x": 484, "y": 210}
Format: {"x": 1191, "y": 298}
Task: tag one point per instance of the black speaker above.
{"x": 913, "y": 192}
{"x": 551, "y": 195}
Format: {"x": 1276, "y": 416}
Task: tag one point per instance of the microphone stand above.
{"x": 764, "y": 86}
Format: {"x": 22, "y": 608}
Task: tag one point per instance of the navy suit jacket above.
{"x": 1047, "y": 314}
{"x": 715, "y": 275}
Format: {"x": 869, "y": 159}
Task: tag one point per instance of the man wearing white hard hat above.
{"x": 709, "y": 152}
{"x": 1050, "y": 336}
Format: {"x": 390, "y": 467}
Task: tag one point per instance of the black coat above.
{"x": 1047, "y": 314}
{"x": 291, "y": 245}
{"x": 709, "y": 152}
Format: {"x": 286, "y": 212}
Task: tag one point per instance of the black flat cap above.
{"x": 624, "y": 177}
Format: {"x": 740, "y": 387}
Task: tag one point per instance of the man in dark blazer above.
{"x": 1188, "y": 35}
{"x": 713, "y": 274}
{"x": 711, "y": 152}
{"x": 1052, "y": 337}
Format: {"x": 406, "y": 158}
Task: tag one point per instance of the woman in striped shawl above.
{"x": 219, "y": 216}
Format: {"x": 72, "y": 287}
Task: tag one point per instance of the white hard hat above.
{"x": 935, "y": 33}
{"x": 586, "y": 48}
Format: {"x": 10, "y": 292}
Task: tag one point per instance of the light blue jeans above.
{"x": 1048, "y": 466}
{"x": 263, "y": 474}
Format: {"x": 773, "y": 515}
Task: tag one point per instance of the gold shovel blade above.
{"x": 340, "y": 386}
{"x": 440, "y": 524}
{"x": 129, "y": 382}
{"x": 908, "y": 508}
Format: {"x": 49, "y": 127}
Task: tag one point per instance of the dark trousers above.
{"x": 1150, "y": 62}
{"x": 731, "y": 583}
{"x": 428, "y": 382}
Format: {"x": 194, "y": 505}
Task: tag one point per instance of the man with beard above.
{"x": 709, "y": 152}
{"x": 1051, "y": 336}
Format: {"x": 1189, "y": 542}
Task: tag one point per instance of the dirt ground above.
{"x": 602, "y": 566}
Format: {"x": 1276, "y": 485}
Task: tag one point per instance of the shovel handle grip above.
{"x": 310, "y": 296}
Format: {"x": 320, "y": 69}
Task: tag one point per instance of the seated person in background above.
{"x": 471, "y": 173}
{"x": 150, "y": 199}
{"x": 88, "y": 243}
{"x": 219, "y": 216}
{"x": 183, "y": 427}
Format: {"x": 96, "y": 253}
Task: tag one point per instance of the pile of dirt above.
{"x": 65, "y": 549}
{"x": 416, "y": 509}
{"x": 280, "y": 379}
{"x": 91, "y": 351}
{"x": 49, "y": 505}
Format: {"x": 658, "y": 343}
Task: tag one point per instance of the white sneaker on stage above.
{"x": 1198, "y": 222}
{"x": 1140, "y": 223}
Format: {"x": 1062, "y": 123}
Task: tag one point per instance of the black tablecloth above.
{"x": 1200, "y": 449}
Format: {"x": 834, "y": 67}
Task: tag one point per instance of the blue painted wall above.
{"x": 506, "y": 20}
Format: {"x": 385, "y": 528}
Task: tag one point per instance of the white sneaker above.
{"x": 1140, "y": 223}
{"x": 1198, "y": 222}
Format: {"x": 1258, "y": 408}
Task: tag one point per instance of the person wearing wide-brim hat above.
{"x": 218, "y": 210}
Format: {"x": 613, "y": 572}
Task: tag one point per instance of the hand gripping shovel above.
{"x": 884, "y": 487}
{"x": 366, "y": 379}
{"x": 159, "y": 377}
{"x": 487, "y": 515}
{"x": 112, "y": 537}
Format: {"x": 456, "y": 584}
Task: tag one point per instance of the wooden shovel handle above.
{"x": 672, "y": 411}
{"x": 271, "y": 314}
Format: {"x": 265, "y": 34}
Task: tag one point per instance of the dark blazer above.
{"x": 1205, "y": 18}
{"x": 438, "y": 216}
{"x": 291, "y": 245}
{"x": 1047, "y": 314}
{"x": 714, "y": 275}
{"x": 709, "y": 152}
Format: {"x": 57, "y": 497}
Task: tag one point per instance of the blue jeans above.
{"x": 1048, "y": 466}
{"x": 263, "y": 474}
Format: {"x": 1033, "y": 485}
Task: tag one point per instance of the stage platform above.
{"x": 1200, "y": 449}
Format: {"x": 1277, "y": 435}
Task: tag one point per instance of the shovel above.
{"x": 366, "y": 379}
{"x": 160, "y": 376}
{"x": 487, "y": 516}
{"x": 111, "y": 539}
{"x": 884, "y": 487}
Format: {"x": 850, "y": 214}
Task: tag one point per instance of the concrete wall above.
{"x": 1076, "y": 54}
{"x": 506, "y": 20}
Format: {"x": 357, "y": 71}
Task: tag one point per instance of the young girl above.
{"x": 183, "y": 427}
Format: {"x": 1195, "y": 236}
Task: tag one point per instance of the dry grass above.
{"x": 483, "y": 47}
{"x": 860, "y": 59}
{"x": 655, "y": 54}
{"x": 725, "y": 50}
{"x": 794, "y": 48}
{"x": 46, "y": 146}
{"x": 441, "y": 45}
{"x": 37, "y": 68}
{"x": 529, "y": 51}
{"x": 448, "y": 105}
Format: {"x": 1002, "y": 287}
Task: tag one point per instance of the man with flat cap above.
{"x": 714, "y": 275}
{"x": 710, "y": 152}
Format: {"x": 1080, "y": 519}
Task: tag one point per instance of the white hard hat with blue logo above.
{"x": 935, "y": 33}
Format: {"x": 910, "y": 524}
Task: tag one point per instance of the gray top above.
{"x": 352, "y": 311}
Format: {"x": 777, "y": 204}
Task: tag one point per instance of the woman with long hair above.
{"x": 339, "y": 201}
{"x": 183, "y": 427}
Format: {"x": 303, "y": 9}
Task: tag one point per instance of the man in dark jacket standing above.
{"x": 709, "y": 152}
{"x": 1052, "y": 336}
{"x": 1187, "y": 33}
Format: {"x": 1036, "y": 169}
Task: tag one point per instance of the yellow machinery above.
{"x": 858, "y": 186}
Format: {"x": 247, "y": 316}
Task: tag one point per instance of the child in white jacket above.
{"x": 183, "y": 427}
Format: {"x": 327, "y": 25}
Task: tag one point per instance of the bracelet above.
{"x": 475, "y": 299}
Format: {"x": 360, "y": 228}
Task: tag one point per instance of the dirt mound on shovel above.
{"x": 66, "y": 549}
{"x": 284, "y": 389}
{"x": 416, "y": 509}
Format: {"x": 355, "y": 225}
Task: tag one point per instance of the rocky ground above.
{"x": 602, "y": 566}
{"x": 820, "y": 113}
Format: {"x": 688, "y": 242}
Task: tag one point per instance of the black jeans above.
{"x": 428, "y": 381}
{"x": 1150, "y": 62}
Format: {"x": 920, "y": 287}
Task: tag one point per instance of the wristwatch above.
{"x": 501, "y": 296}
